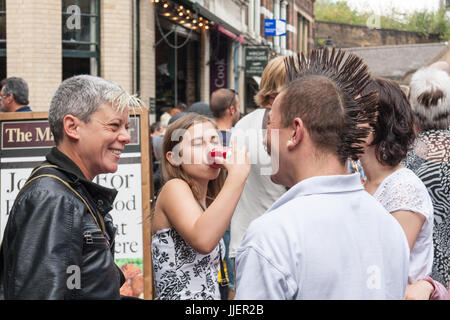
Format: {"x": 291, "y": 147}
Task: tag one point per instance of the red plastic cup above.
{"x": 217, "y": 152}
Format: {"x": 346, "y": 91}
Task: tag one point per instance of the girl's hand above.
{"x": 238, "y": 161}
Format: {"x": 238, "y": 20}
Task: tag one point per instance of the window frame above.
{"x": 73, "y": 53}
{"x": 3, "y": 13}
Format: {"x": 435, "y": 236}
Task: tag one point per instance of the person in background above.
{"x": 59, "y": 239}
{"x": 259, "y": 191}
{"x": 225, "y": 107}
{"x": 174, "y": 111}
{"x": 430, "y": 160}
{"x": 326, "y": 237}
{"x": 156, "y": 137}
{"x": 14, "y": 95}
{"x": 397, "y": 188}
{"x": 182, "y": 106}
{"x": 201, "y": 108}
{"x": 176, "y": 117}
{"x": 164, "y": 120}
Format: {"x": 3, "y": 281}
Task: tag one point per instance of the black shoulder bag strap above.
{"x": 98, "y": 219}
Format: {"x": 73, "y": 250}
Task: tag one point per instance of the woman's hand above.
{"x": 421, "y": 290}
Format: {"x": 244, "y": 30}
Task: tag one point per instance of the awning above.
{"x": 212, "y": 17}
{"x": 231, "y": 35}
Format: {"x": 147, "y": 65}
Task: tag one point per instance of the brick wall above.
{"x": 303, "y": 11}
{"x": 34, "y": 47}
{"x": 290, "y": 36}
{"x": 306, "y": 6}
{"x": 346, "y": 36}
{"x": 268, "y": 4}
{"x": 116, "y": 42}
{"x": 147, "y": 59}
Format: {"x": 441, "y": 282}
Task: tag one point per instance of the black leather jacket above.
{"x": 52, "y": 248}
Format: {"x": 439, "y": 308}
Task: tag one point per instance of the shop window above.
{"x": 81, "y": 37}
{"x": 302, "y": 33}
{"x": 177, "y": 70}
{"x": 2, "y": 39}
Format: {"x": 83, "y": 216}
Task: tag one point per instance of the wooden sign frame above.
{"x": 146, "y": 180}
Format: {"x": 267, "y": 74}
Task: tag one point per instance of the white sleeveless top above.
{"x": 403, "y": 190}
{"x": 180, "y": 272}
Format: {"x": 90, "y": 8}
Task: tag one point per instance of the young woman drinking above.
{"x": 194, "y": 209}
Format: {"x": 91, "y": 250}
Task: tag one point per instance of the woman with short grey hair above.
{"x": 430, "y": 157}
{"x": 59, "y": 239}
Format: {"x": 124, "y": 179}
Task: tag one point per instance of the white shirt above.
{"x": 325, "y": 238}
{"x": 403, "y": 190}
{"x": 259, "y": 192}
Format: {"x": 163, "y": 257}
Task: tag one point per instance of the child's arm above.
{"x": 203, "y": 230}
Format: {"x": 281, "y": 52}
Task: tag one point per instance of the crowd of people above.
{"x": 311, "y": 229}
{"x": 337, "y": 187}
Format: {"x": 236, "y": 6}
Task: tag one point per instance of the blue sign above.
{"x": 274, "y": 27}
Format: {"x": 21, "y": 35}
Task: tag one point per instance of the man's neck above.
{"x": 17, "y": 107}
{"x": 314, "y": 166}
{"x": 374, "y": 170}
{"x": 224, "y": 124}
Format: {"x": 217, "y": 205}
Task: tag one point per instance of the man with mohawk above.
{"x": 325, "y": 238}
{"x": 59, "y": 239}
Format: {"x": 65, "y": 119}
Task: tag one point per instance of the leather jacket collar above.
{"x": 104, "y": 196}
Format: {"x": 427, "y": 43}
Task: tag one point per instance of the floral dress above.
{"x": 180, "y": 272}
{"x": 430, "y": 161}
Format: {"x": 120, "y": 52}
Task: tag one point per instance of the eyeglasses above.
{"x": 232, "y": 98}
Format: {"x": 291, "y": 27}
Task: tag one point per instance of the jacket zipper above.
{"x": 90, "y": 239}
{"x": 114, "y": 239}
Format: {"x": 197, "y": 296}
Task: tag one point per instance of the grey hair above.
{"x": 19, "y": 89}
{"x": 430, "y": 98}
{"x": 81, "y": 96}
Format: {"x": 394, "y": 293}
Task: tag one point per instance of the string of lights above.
{"x": 182, "y": 16}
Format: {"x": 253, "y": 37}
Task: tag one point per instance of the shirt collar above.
{"x": 23, "y": 109}
{"x": 321, "y": 185}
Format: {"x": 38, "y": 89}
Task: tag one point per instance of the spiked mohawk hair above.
{"x": 329, "y": 83}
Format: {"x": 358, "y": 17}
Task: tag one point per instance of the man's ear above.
{"x": 232, "y": 110}
{"x": 71, "y": 125}
{"x": 297, "y": 133}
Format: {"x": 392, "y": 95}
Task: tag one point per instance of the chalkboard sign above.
{"x": 256, "y": 59}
